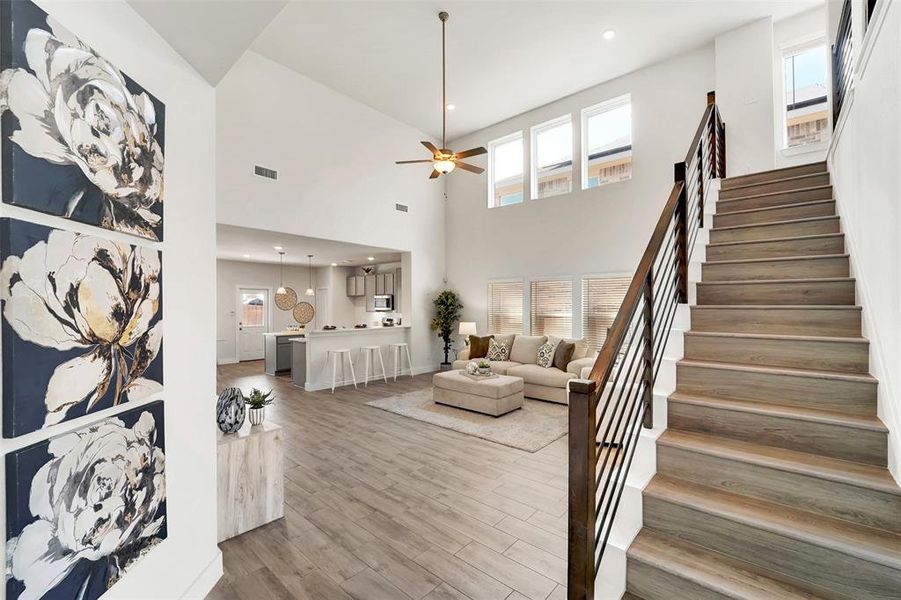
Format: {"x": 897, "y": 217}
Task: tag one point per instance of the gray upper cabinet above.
{"x": 355, "y": 286}
{"x": 384, "y": 284}
{"x": 369, "y": 289}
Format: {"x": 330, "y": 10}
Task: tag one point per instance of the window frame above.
{"x": 597, "y": 109}
{"x": 533, "y": 158}
{"x": 517, "y": 135}
{"x": 532, "y": 305}
{"x": 793, "y": 48}
{"x": 488, "y": 304}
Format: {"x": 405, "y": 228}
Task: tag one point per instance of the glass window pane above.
{"x": 506, "y": 172}
{"x": 253, "y": 309}
{"x": 806, "y": 97}
{"x": 608, "y": 152}
{"x": 553, "y": 159}
{"x": 505, "y": 307}
{"x": 552, "y": 308}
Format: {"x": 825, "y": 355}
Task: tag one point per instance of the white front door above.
{"x": 253, "y": 322}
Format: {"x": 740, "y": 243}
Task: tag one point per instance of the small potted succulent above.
{"x": 484, "y": 367}
{"x": 257, "y": 402}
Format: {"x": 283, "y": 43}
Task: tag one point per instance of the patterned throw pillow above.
{"x": 498, "y": 350}
{"x": 546, "y": 352}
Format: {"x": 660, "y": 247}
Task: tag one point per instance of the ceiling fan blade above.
{"x": 434, "y": 174}
{"x": 409, "y": 162}
{"x": 430, "y": 146}
{"x": 470, "y": 168}
{"x": 471, "y": 152}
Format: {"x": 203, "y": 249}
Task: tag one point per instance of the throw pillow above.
{"x": 478, "y": 346}
{"x": 546, "y": 352}
{"x": 498, "y": 350}
{"x": 564, "y": 355}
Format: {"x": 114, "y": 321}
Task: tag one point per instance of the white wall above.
{"x": 188, "y": 563}
{"x": 602, "y": 230}
{"x": 744, "y": 93}
{"x": 337, "y": 177}
{"x": 864, "y": 160}
{"x": 230, "y": 274}
{"x": 802, "y": 28}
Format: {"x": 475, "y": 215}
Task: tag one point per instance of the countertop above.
{"x": 285, "y": 333}
{"x": 369, "y": 329}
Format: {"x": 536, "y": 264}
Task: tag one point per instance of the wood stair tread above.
{"x": 800, "y": 178}
{"x": 779, "y": 336}
{"x": 763, "y": 369}
{"x": 764, "y": 209}
{"x": 771, "y": 281}
{"x": 782, "y": 239}
{"x": 819, "y": 165}
{"x": 782, "y": 192}
{"x": 854, "y": 307}
{"x": 745, "y": 261}
{"x": 710, "y": 570}
{"x": 800, "y": 413}
{"x": 773, "y": 223}
{"x": 865, "y": 543}
{"x": 857, "y": 474}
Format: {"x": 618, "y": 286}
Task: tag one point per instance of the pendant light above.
{"x": 281, "y": 277}
{"x": 285, "y": 297}
{"x": 310, "y": 291}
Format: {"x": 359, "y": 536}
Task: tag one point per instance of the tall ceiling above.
{"x": 504, "y": 58}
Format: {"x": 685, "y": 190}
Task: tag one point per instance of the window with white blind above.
{"x": 505, "y": 307}
{"x": 552, "y": 307}
{"x": 601, "y": 299}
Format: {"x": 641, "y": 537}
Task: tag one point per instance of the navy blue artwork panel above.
{"x": 47, "y": 186}
{"x": 28, "y": 367}
{"x": 93, "y": 453}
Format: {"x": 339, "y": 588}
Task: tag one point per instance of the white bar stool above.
{"x": 338, "y": 356}
{"x": 401, "y": 349}
{"x": 369, "y": 353}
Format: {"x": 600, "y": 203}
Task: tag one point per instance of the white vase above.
{"x": 257, "y": 415}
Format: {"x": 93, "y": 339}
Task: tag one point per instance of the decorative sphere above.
{"x": 230, "y": 410}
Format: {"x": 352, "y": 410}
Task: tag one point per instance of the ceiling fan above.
{"x": 443, "y": 159}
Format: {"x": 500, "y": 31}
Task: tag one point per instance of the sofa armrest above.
{"x": 575, "y": 367}
{"x": 463, "y": 354}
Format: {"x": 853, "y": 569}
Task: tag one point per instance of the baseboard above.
{"x": 206, "y": 581}
{"x": 233, "y": 360}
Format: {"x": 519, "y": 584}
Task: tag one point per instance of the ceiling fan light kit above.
{"x": 443, "y": 159}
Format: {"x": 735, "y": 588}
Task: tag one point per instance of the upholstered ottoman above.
{"x": 494, "y": 396}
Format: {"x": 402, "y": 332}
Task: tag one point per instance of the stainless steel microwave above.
{"x": 383, "y": 302}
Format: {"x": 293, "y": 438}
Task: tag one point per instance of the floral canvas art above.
{"x": 82, "y": 507}
{"x": 80, "y": 139}
{"x": 82, "y": 324}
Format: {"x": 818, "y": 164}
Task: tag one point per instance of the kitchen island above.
{"x": 277, "y": 350}
{"x": 312, "y": 370}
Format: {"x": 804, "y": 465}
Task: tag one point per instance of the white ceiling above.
{"x": 504, "y": 58}
{"x": 258, "y": 246}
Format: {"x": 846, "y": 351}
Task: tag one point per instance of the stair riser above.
{"x": 804, "y": 292}
{"x": 826, "y": 497}
{"x": 778, "y": 199}
{"x": 775, "y": 230}
{"x": 811, "y": 268}
{"x": 845, "y": 357}
{"x": 823, "y": 570}
{"x": 772, "y": 215}
{"x": 765, "y": 176}
{"x": 835, "y": 395}
{"x": 779, "y": 185}
{"x": 651, "y": 583}
{"x": 793, "y": 321}
{"x": 835, "y": 441}
{"x": 816, "y": 246}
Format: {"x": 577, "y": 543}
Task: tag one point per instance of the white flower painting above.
{"x": 85, "y": 142}
{"x": 82, "y": 321}
{"x": 88, "y": 504}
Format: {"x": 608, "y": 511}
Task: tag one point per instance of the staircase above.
{"x": 771, "y": 477}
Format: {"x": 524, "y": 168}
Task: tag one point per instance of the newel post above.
{"x": 582, "y": 467}
{"x": 682, "y": 232}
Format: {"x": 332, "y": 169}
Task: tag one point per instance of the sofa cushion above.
{"x": 478, "y": 346}
{"x": 575, "y": 366}
{"x": 498, "y": 350}
{"x": 535, "y": 375}
{"x": 525, "y": 348}
{"x": 564, "y": 354}
{"x": 581, "y": 350}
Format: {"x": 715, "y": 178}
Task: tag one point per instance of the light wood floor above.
{"x": 379, "y": 506}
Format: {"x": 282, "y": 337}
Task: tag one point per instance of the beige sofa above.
{"x": 538, "y": 382}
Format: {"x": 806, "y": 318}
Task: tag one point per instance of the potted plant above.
{"x": 257, "y": 402}
{"x": 484, "y": 367}
{"x": 448, "y": 308}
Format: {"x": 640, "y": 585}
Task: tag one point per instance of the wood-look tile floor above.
{"x": 379, "y": 506}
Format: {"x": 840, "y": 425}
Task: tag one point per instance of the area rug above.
{"x": 529, "y": 428}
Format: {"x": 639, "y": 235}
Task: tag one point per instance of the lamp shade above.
{"x": 468, "y": 328}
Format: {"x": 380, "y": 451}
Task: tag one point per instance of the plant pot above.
{"x": 445, "y": 366}
{"x": 484, "y": 370}
{"x": 257, "y": 415}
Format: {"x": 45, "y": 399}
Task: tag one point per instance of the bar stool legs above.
{"x": 401, "y": 349}
{"x": 339, "y": 355}
{"x": 369, "y": 352}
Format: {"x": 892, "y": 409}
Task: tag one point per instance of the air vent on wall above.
{"x": 401, "y": 207}
{"x": 264, "y": 172}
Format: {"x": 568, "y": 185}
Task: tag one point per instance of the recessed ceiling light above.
{"x": 334, "y": 264}
{"x": 370, "y": 258}
{"x": 246, "y": 256}
{"x": 279, "y": 248}
{"x": 609, "y": 34}
{"x": 451, "y": 106}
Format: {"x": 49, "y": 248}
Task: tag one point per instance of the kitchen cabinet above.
{"x": 384, "y": 284}
{"x": 355, "y": 286}
{"x": 278, "y": 352}
{"x": 369, "y": 292}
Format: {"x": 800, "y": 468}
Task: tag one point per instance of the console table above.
{"x": 250, "y": 466}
